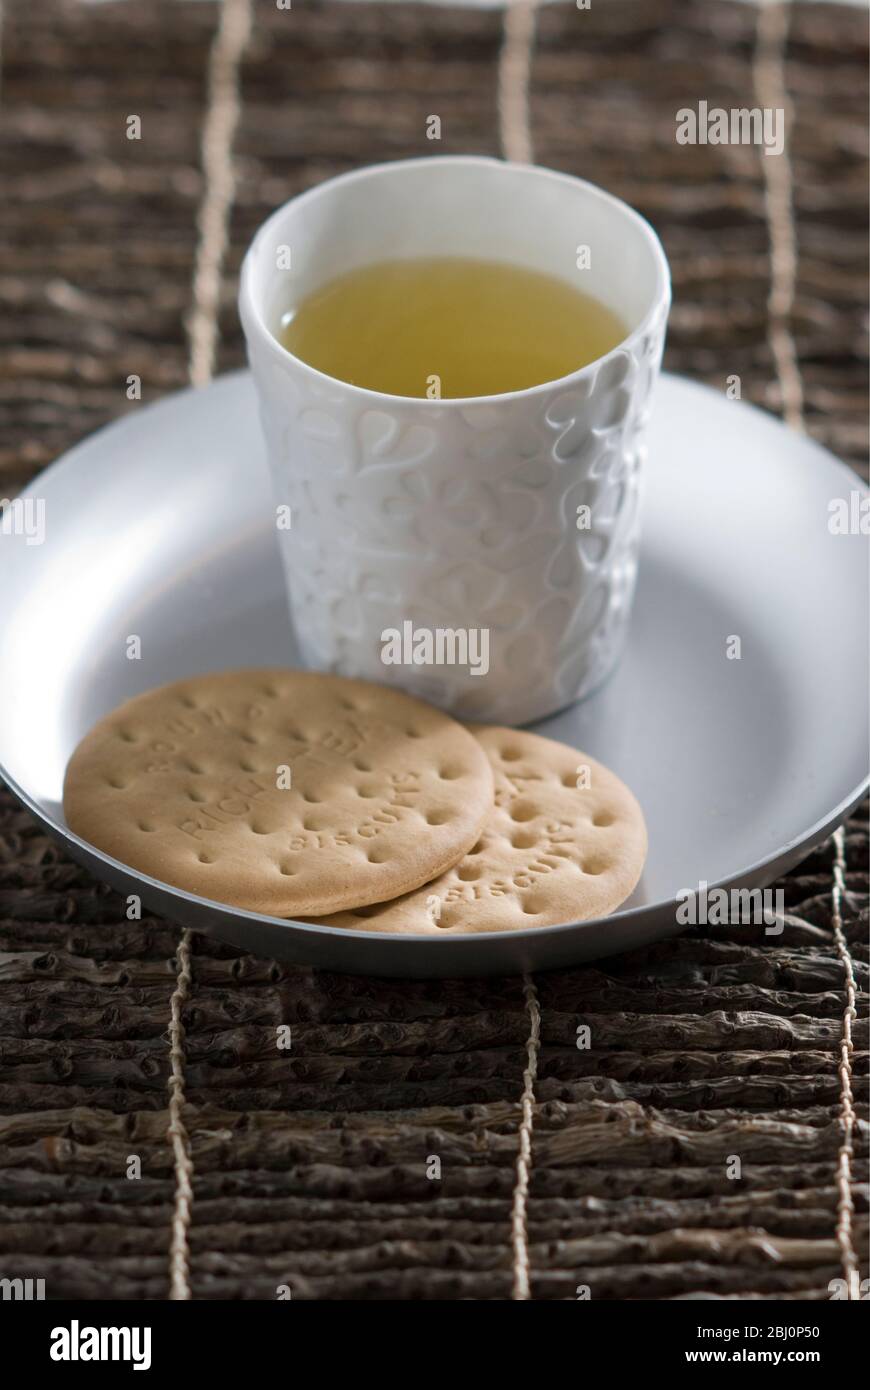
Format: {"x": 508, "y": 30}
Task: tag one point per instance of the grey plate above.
{"x": 160, "y": 525}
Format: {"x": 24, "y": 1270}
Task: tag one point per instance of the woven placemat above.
{"x": 610, "y": 1169}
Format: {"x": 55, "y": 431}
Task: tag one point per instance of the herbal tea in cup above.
{"x": 448, "y": 327}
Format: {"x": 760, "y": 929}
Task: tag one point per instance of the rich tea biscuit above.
{"x": 565, "y": 841}
{"x": 282, "y": 792}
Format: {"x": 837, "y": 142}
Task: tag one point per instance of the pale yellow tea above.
{"x": 448, "y": 327}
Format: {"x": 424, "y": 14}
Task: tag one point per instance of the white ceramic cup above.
{"x": 505, "y": 527}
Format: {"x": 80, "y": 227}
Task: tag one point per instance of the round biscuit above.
{"x": 566, "y": 841}
{"x": 188, "y": 784}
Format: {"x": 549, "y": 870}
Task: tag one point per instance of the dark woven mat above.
{"x": 310, "y": 1165}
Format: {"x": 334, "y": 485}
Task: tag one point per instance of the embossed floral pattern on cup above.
{"x": 519, "y": 514}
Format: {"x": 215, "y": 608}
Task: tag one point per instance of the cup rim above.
{"x": 252, "y": 318}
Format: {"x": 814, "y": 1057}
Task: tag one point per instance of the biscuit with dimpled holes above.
{"x": 183, "y": 783}
{"x": 566, "y": 841}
